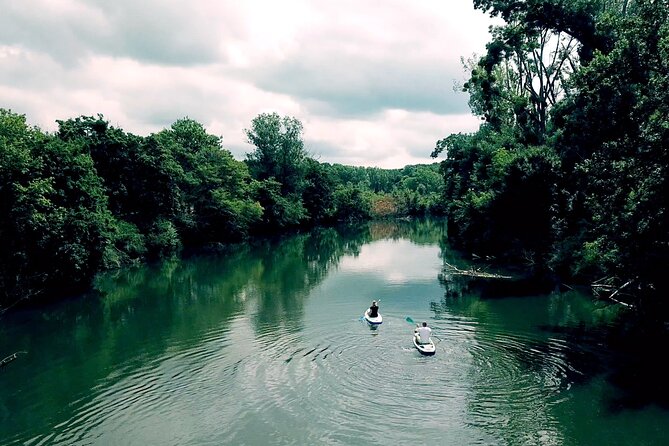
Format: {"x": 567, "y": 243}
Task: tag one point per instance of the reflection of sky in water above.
{"x": 396, "y": 261}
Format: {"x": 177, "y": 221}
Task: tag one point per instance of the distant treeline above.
{"x": 569, "y": 169}
{"x": 91, "y": 197}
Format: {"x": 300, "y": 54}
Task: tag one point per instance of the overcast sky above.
{"x": 371, "y": 81}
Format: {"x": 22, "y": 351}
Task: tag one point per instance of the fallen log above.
{"x": 600, "y": 289}
{"x": 10, "y": 358}
{"x": 451, "y": 269}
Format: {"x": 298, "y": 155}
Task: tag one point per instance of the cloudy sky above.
{"x": 371, "y": 81}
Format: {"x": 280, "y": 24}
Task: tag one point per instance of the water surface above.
{"x": 264, "y": 345}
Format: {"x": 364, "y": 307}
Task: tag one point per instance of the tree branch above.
{"x": 10, "y": 358}
{"x": 451, "y": 269}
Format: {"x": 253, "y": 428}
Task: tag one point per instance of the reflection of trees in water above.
{"x": 639, "y": 370}
{"x": 136, "y": 316}
{"x": 520, "y": 369}
{"x": 139, "y": 314}
{"x": 561, "y": 341}
{"x": 418, "y": 231}
{"x": 292, "y": 266}
{"x": 281, "y": 284}
{"x": 177, "y": 301}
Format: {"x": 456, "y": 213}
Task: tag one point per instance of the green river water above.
{"x": 264, "y": 346}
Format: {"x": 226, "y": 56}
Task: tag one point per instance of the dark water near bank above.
{"x": 265, "y": 346}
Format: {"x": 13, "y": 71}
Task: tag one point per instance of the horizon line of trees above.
{"x": 91, "y": 197}
{"x": 568, "y": 171}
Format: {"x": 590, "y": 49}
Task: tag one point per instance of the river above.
{"x": 265, "y": 345}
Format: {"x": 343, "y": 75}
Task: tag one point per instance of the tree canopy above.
{"x": 569, "y": 167}
{"x": 92, "y": 197}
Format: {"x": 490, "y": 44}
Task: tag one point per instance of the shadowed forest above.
{"x": 568, "y": 171}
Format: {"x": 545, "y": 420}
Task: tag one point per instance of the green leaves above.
{"x": 352, "y": 204}
{"x": 586, "y": 181}
{"x": 93, "y": 197}
{"x": 279, "y": 152}
{"x": 55, "y": 217}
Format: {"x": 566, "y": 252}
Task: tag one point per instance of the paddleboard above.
{"x": 425, "y": 349}
{"x": 378, "y": 320}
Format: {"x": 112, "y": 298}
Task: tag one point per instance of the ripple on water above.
{"x": 515, "y": 377}
{"x": 343, "y": 379}
{"x": 130, "y": 396}
{"x": 481, "y": 378}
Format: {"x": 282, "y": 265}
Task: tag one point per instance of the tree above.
{"x": 142, "y": 180}
{"x": 352, "y": 204}
{"x": 56, "y": 224}
{"x": 613, "y": 142}
{"x": 318, "y": 196}
{"x": 217, "y": 189}
{"x": 521, "y": 77}
{"x": 279, "y": 161}
{"x": 279, "y": 212}
{"x": 589, "y": 158}
{"x": 279, "y": 152}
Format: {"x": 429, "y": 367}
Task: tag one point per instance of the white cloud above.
{"x": 391, "y": 139}
{"x": 372, "y": 82}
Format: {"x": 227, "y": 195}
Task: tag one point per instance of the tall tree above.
{"x": 279, "y": 151}
{"x": 521, "y": 77}
{"x": 590, "y": 155}
{"x": 279, "y": 162}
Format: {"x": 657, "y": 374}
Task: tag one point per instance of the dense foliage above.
{"x": 569, "y": 168}
{"x": 91, "y": 197}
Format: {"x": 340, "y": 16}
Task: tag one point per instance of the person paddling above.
{"x": 423, "y": 333}
{"x": 374, "y": 309}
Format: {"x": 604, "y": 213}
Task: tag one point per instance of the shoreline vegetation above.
{"x": 568, "y": 171}
{"x": 567, "y": 174}
{"x": 91, "y": 197}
